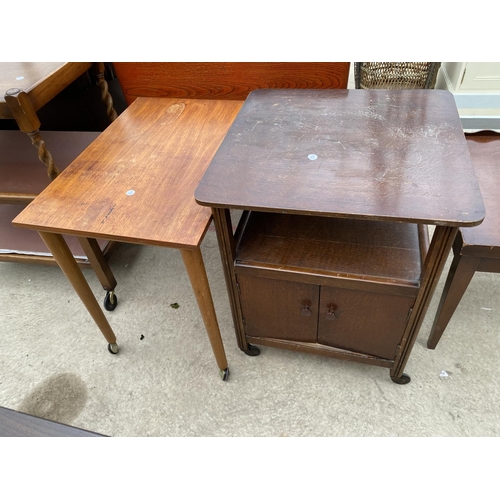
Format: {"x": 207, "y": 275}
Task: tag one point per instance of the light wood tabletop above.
{"x": 136, "y": 181}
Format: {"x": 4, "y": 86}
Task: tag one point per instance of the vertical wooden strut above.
{"x": 435, "y": 260}
{"x": 223, "y": 226}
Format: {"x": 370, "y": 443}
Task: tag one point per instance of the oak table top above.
{"x": 396, "y": 155}
{"x": 42, "y": 81}
{"x": 135, "y": 182}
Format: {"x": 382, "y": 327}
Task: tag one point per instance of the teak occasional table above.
{"x": 135, "y": 183}
{"x": 331, "y": 255}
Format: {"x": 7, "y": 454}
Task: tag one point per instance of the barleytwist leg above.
{"x": 105, "y": 95}
{"x": 44, "y": 154}
{"x": 23, "y": 112}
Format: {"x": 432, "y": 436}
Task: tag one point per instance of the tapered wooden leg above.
{"x": 59, "y": 249}
{"x": 461, "y": 271}
{"x": 193, "y": 261}
{"x": 98, "y": 262}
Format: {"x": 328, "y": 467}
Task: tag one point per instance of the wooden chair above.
{"x": 476, "y": 249}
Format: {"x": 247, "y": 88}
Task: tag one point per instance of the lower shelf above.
{"x": 23, "y": 245}
{"x": 22, "y": 177}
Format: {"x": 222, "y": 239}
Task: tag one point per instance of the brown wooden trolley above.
{"x": 331, "y": 257}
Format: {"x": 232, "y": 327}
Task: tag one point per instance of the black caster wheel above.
{"x": 252, "y": 350}
{"x": 404, "y": 379}
{"x": 224, "y": 374}
{"x": 110, "y": 301}
{"x": 113, "y": 348}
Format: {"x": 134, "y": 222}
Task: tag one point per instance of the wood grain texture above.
{"x": 380, "y": 154}
{"x": 224, "y": 80}
{"x": 360, "y": 249}
{"x": 273, "y": 308}
{"x": 485, "y": 154}
{"x": 40, "y": 80}
{"x": 368, "y": 323}
{"x": 476, "y": 249}
{"x": 159, "y": 149}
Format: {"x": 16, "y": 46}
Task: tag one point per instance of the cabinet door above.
{"x": 279, "y": 309}
{"x": 364, "y": 322}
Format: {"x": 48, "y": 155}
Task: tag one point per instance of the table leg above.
{"x": 21, "y": 108}
{"x": 105, "y": 95}
{"x": 462, "y": 270}
{"x": 59, "y": 249}
{"x": 435, "y": 260}
{"x": 193, "y": 261}
{"x": 102, "y": 270}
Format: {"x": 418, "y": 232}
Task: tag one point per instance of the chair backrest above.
{"x": 395, "y": 75}
{"x": 222, "y": 80}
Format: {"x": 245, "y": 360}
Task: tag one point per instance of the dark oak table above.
{"x": 475, "y": 249}
{"x": 337, "y": 186}
{"x": 135, "y": 183}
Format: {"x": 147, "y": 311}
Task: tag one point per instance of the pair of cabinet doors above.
{"x": 355, "y": 320}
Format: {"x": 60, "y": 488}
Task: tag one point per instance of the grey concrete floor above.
{"x": 54, "y": 363}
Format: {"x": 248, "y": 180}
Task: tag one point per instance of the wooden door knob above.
{"x": 306, "y": 308}
{"x": 330, "y": 314}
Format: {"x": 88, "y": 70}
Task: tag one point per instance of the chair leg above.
{"x": 461, "y": 272}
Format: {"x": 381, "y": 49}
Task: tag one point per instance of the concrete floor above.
{"x": 54, "y": 363}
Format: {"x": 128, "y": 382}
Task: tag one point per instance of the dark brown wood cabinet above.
{"x": 328, "y": 283}
{"x": 337, "y": 187}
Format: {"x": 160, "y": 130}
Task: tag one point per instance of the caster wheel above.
{"x": 110, "y": 301}
{"x": 252, "y": 350}
{"x": 224, "y": 374}
{"x": 404, "y": 379}
{"x": 113, "y": 348}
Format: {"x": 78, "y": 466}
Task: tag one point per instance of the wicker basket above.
{"x": 395, "y": 75}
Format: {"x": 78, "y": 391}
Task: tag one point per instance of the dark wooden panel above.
{"x": 378, "y": 251}
{"x": 368, "y": 323}
{"x": 273, "y": 308}
{"x": 321, "y": 350}
{"x": 224, "y": 80}
{"x": 17, "y": 424}
{"x": 489, "y": 265}
{"x": 379, "y": 154}
{"x": 20, "y": 169}
{"x": 485, "y": 154}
